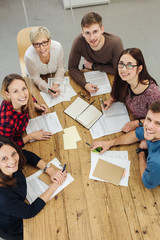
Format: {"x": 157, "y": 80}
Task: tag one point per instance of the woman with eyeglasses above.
{"x": 133, "y": 86}
{"x": 13, "y": 190}
{"x": 45, "y": 57}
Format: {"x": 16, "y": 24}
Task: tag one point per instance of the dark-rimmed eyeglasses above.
{"x": 128, "y": 66}
{"x": 37, "y": 45}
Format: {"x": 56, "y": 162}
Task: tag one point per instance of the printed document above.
{"x": 100, "y": 79}
{"x": 35, "y": 187}
{"x": 65, "y": 95}
{"x": 48, "y": 122}
{"x": 118, "y": 158}
{"x": 111, "y": 121}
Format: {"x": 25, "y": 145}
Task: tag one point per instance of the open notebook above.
{"x": 83, "y": 112}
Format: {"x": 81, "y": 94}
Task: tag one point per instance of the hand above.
{"x": 56, "y": 175}
{"x": 56, "y": 184}
{"x": 104, "y": 144}
{"x": 40, "y": 135}
{"x": 91, "y": 88}
{"x": 87, "y": 64}
{"x": 130, "y": 126}
{"x": 143, "y": 144}
{"x": 41, "y": 108}
{"x": 108, "y": 103}
{"x": 55, "y": 89}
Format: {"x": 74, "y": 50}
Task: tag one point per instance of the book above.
{"x": 83, "y": 112}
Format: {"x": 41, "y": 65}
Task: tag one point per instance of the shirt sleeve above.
{"x": 31, "y": 157}
{"x": 59, "y": 75}
{"x": 35, "y": 75}
{"x": 73, "y": 63}
{"x": 140, "y": 133}
{"x": 151, "y": 176}
{"x": 13, "y": 206}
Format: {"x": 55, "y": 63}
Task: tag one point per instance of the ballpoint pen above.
{"x": 102, "y": 102}
{"x": 64, "y": 167}
{"x": 91, "y": 147}
{"x": 51, "y": 90}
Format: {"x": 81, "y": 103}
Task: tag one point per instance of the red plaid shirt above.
{"x": 12, "y": 123}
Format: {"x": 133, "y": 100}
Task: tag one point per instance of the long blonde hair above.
{"x": 5, "y": 84}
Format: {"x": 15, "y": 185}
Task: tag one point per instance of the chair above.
{"x": 23, "y": 42}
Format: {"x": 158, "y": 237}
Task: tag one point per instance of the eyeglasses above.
{"x": 85, "y": 96}
{"x": 128, "y": 66}
{"x": 37, "y": 45}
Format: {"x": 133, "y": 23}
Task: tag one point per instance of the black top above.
{"x": 13, "y": 209}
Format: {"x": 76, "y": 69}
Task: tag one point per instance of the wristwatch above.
{"x": 93, "y": 66}
{"x": 138, "y": 150}
{"x": 47, "y": 166}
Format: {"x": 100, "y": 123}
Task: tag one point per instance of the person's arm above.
{"x": 124, "y": 139}
{"x": 142, "y": 162}
{"x": 35, "y": 75}
{"x": 73, "y": 63}
{"x": 59, "y": 75}
{"x": 37, "y": 135}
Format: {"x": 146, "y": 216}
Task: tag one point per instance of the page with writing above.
{"x": 48, "y": 122}
{"x": 116, "y": 109}
{"x": 35, "y": 187}
{"x": 76, "y": 108}
{"x": 100, "y": 79}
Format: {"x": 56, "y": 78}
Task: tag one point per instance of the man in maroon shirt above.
{"x": 99, "y": 49}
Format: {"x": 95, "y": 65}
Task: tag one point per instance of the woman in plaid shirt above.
{"x": 15, "y": 111}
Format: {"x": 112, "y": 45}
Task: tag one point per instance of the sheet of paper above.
{"x": 108, "y": 172}
{"x": 119, "y": 158}
{"x": 35, "y": 187}
{"x": 100, "y": 79}
{"x": 70, "y": 138}
{"x": 66, "y": 93}
{"x": 48, "y": 122}
{"x": 111, "y": 123}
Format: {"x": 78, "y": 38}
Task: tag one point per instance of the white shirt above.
{"x": 35, "y": 67}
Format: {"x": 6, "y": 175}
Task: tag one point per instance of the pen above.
{"x": 102, "y": 102}
{"x": 91, "y": 146}
{"x": 64, "y": 167}
{"x": 51, "y": 90}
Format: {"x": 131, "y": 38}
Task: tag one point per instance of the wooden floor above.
{"x": 89, "y": 209}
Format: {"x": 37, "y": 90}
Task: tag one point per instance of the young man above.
{"x": 149, "y": 135}
{"x": 99, "y": 49}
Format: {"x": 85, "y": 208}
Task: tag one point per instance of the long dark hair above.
{"x": 120, "y": 87}
{"x": 4, "y": 179}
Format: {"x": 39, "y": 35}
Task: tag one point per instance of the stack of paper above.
{"x": 35, "y": 187}
{"x": 109, "y": 172}
{"x": 48, "y": 122}
{"x": 111, "y": 121}
{"x": 65, "y": 95}
{"x": 70, "y": 138}
{"x": 100, "y": 79}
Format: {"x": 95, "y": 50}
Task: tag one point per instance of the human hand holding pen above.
{"x": 55, "y": 92}
{"x": 91, "y": 88}
{"x": 105, "y": 145}
{"x": 41, "y": 108}
{"x": 57, "y": 175}
{"x": 107, "y": 103}
{"x": 97, "y": 149}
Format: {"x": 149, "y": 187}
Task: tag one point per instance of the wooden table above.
{"x": 89, "y": 209}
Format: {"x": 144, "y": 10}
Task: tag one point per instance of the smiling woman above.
{"x": 15, "y": 110}
{"x": 13, "y": 188}
{"x": 43, "y": 57}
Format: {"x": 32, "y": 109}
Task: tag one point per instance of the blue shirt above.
{"x": 151, "y": 175}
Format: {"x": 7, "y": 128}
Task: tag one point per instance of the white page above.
{"x": 65, "y": 95}
{"x": 75, "y": 109}
{"x": 100, "y": 79}
{"x": 112, "y": 123}
{"x": 87, "y": 118}
{"x": 119, "y": 158}
{"x": 35, "y": 187}
{"x": 48, "y": 122}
